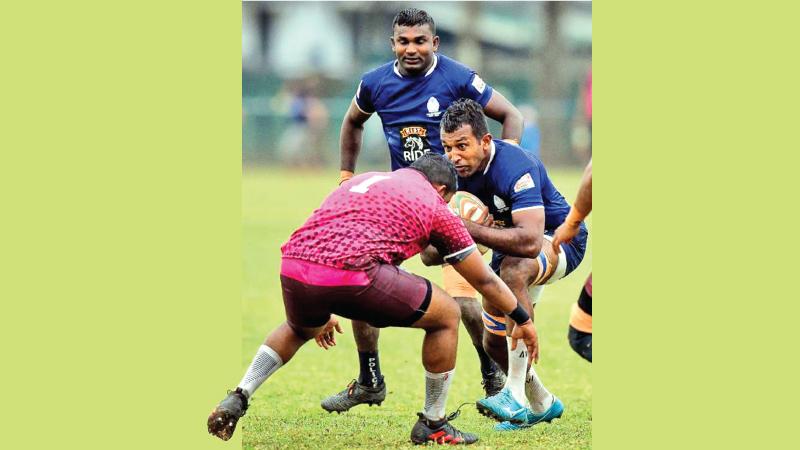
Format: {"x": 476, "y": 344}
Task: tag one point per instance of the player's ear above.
{"x": 436, "y": 43}
{"x": 391, "y": 42}
{"x": 441, "y": 190}
{"x": 486, "y": 140}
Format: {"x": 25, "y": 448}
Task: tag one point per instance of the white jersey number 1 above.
{"x": 363, "y": 187}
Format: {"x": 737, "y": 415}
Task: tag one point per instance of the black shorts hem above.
{"x": 423, "y": 308}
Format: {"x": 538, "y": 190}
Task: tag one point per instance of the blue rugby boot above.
{"x": 555, "y": 411}
{"x": 510, "y": 426}
{"x": 503, "y": 407}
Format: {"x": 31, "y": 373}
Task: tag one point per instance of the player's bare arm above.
{"x": 350, "y": 139}
{"x": 501, "y": 110}
{"x": 580, "y": 209}
{"x": 583, "y": 203}
{"x": 494, "y": 291}
{"x": 523, "y": 239}
{"x": 431, "y": 257}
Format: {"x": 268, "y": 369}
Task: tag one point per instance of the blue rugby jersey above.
{"x": 515, "y": 180}
{"x": 410, "y": 108}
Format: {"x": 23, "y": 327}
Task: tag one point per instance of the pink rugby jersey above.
{"x": 379, "y": 218}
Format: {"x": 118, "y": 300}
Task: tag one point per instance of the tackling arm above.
{"x": 524, "y": 239}
{"x": 350, "y": 139}
{"x": 501, "y": 110}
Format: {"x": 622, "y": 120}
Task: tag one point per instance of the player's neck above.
{"x": 404, "y": 73}
{"x": 421, "y": 72}
{"x": 483, "y": 165}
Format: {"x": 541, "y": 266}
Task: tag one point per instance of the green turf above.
{"x": 285, "y": 412}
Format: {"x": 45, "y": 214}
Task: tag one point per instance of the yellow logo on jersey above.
{"x": 416, "y": 131}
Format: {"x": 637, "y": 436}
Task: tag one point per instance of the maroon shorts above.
{"x": 382, "y": 296}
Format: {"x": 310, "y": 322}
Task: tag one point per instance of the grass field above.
{"x": 285, "y": 412}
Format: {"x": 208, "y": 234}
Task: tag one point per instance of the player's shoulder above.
{"x": 450, "y": 66}
{"x": 511, "y": 162}
{"x": 464, "y": 79}
{"x": 512, "y": 158}
{"x": 379, "y": 73}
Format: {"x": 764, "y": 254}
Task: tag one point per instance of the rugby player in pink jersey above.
{"x": 344, "y": 260}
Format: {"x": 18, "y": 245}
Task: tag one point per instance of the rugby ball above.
{"x": 469, "y": 207}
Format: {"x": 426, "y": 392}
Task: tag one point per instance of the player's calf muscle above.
{"x": 366, "y": 336}
{"x": 495, "y": 346}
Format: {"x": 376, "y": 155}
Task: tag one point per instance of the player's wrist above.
{"x": 345, "y": 175}
{"x": 575, "y": 216}
{"x": 519, "y": 315}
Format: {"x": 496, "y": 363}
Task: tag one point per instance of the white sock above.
{"x": 436, "y": 387}
{"x": 540, "y": 398}
{"x": 517, "y": 363}
{"x": 264, "y": 364}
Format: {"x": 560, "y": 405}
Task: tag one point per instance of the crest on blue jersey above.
{"x": 433, "y": 107}
{"x": 500, "y": 204}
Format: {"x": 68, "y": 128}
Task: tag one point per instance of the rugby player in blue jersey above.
{"x": 526, "y": 209}
{"x": 410, "y": 94}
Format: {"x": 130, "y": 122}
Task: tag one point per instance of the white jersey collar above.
{"x": 430, "y": 71}
{"x": 491, "y": 158}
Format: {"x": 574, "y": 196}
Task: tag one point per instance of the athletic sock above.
{"x": 370, "y": 366}
{"x": 264, "y": 364}
{"x": 436, "y": 387}
{"x": 540, "y": 398}
{"x": 517, "y": 365}
{"x": 488, "y": 367}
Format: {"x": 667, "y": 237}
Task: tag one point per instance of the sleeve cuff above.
{"x": 460, "y": 255}
{"x": 355, "y": 101}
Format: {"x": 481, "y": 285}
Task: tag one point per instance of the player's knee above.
{"x": 514, "y": 281}
{"x": 447, "y": 314}
{"x": 453, "y": 315}
{"x": 518, "y": 272}
{"x": 469, "y": 307}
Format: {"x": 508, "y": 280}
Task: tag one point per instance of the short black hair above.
{"x": 410, "y": 17}
{"x": 465, "y": 112}
{"x": 437, "y": 169}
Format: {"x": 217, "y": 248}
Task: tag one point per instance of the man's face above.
{"x": 468, "y": 153}
{"x": 414, "y": 47}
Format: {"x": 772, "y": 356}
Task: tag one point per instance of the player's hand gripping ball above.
{"x": 470, "y": 207}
